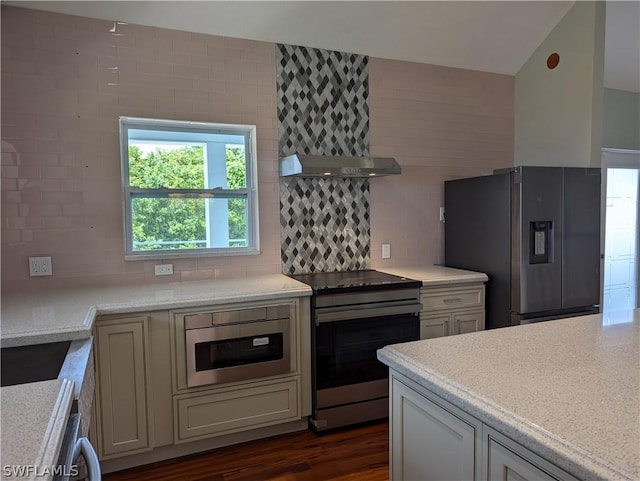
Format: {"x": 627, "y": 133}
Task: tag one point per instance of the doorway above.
{"x": 620, "y": 195}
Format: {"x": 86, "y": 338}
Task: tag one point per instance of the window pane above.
{"x": 181, "y": 223}
{"x": 238, "y": 223}
{"x": 227, "y": 222}
{"x": 168, "y": 224}
{"x": 172, "y": 166}
{"x": 236, "y": 167}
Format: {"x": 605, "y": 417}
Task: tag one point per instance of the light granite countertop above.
{"x": 68, "y": 314}
{"x": 432, "y": 276}
{"x": 568, "y": 390}
{"x": 34, "y": 415}
{"x": 34, "y": 418}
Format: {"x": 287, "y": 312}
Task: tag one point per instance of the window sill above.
{"x": 192, "y": 253}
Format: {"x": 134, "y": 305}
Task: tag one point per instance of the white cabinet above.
{"x": 508, "y": 461}
{"x": 452, "y": 310}
{"x": 428, "y": 441}
{"x": 213, "y": 413}
{"x": 433, "y": 440}
{"x": 123, "y": 409}
{"x": 504, "y": 465}
{"x": 145, "y": 412}
{"x": 214, "y": 410}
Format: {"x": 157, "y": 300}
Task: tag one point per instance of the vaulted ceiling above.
{"x": 492, "y": 36}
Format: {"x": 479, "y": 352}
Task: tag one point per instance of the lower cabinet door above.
{"x": 468, "y": 322}
{"x": 208, "y": 414}
{"x": 429, "y": 442}
{"x": 450, "y": 323}
{"x": 123, "y": 408}
{"x": 505, "y": 465}
{"x": 435, "y": 326}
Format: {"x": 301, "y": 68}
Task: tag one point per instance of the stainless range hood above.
{"x": 299, "y": 165}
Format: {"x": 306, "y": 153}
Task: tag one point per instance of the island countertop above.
{"x": 568, "y": 390}
{"x": 34, "y": 418}
{"x": 68, "y": 314}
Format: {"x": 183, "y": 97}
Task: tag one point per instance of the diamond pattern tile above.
{"x": 324, "y": 225}
{"x": 323, "y": 103}
{"x": 323, "y": 109}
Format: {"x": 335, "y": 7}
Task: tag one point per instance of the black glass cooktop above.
{"x": 351, "y": 281}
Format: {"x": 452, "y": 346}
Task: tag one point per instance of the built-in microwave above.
{"x": 238, "y": 345}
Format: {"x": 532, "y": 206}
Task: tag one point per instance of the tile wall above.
{"x": 440, "y": 123}
{"x": 65, "y": 82}
{"x": 323, "y": 109}
{"x": 66, "y": 79}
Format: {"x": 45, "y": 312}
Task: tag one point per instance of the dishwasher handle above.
{"x": 83, "y": 447}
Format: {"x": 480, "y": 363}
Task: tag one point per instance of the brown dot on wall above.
{"x": 553, "y": 60}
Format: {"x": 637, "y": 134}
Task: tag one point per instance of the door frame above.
{"x": 614, "y": 159}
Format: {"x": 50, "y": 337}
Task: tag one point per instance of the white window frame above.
{"x": 250, "y": 192}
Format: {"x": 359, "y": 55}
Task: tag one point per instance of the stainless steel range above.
{"x": 354, "y": 314}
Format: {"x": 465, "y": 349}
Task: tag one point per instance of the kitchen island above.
{"x": 552, "y": 400}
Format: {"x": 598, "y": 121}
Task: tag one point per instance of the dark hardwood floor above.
{"x": 354, "y": 454}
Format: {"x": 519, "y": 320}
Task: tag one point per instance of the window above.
{"x": 190, "y": 188}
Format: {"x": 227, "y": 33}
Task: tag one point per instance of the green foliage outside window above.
{"x": 181, "y": 222}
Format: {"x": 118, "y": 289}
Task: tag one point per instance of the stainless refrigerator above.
{"x": 535, "y": 232}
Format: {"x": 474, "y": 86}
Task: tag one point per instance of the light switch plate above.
{"x": 386, "y": 251}
{"x": 40, "y": 266}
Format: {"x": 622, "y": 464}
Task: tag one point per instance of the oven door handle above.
{"x": 345, "y": 313}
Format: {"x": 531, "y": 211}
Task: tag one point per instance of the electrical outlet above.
{"x": 163, "y": 269}
{"x": 386, "y": 251}
{"x": 40, "y": 266}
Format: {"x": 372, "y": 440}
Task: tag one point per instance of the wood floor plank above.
{"x": 358, "y": 453}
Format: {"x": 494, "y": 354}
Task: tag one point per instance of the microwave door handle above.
{"x": 84, "y": 447}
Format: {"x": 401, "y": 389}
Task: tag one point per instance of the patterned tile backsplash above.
{"x": 323, "y": 109}
{"x": 324, "y": 224}
{"x": 322, "y": 101}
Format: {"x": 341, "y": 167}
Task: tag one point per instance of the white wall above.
{"x": 621, "y": 128}
{"x": 558, "y": 113}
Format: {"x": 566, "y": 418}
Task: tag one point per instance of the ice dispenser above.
{"x": 540, "y": 242}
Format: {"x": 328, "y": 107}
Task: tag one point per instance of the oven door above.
{"x": 350, "y": 385}
{"x": 238, "y": 352}
{"x": 345, "y": 356}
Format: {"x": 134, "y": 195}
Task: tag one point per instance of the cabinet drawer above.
{"x": 454, "y": 298}
{"x": 211, "y": 414}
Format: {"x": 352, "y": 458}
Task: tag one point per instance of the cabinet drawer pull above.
{"x": 453, "y": 300}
